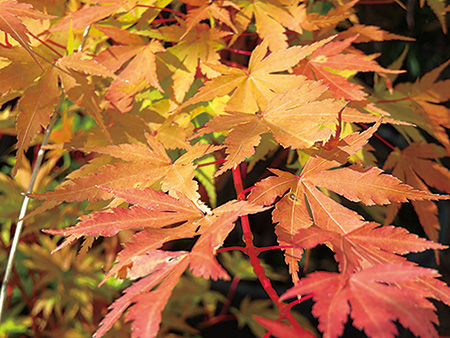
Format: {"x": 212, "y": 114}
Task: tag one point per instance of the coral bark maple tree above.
{"x": 171, "y": 90}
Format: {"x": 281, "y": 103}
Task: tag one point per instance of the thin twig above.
{"x": 26, "y": 199}
{"x": 23, "y": 210}
{"x": 84, "y": 38}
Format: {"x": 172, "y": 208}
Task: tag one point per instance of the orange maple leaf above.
{"x": 146, "y": 165}
{"x": 10, "y": 11}
{"x": 373, "y": 298}
{"x": 137, "y": 75}
{"x": 155, "y": 210}
{"x": 145, "y": 301}
{"x": 37, "y": 106}
{"x": 198, "y": 49}
{"x": 207, "y": 10}
{"x": 274, "y": 16}
{"x": 296, "y": 118}
{"x": 253, "y": 88}
{"x": 421, "y": 103}
{"x": 41, "y": 97}
{"x": 370, "y": 33}
{"x": 305, "y": 204}
{"x": 365, "y": 246}
{"x": 84, "y": 17}
{"x": 330, "y": 57}
{"x": 416, "y": 166}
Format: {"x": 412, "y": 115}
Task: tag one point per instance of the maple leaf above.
{"x": 86, "y": 16}
{"x": 141, "y": 244}
{"x": 304, "y": 200}
{"x": 370, "y": 33}
{"x": 253, "y": 88}
{"x": 197, "y": 49}
{"x": 372, "y": 298}
{"x": 330, "y": 57}
{"x": 281, "y": 330}
{"x": 10, "y": 11}
{"x": 421, "y": 103}
{"x": 148, "y": 164}
{"x": 77, "y": 87}
{"x": 371, "y": 245}
{"x": 37, "y": 106}
{"x": 316, "y": 21}
{"x": 438, "y": 8}
{"x": 270, "y": 17}
{"x": 139, "y": 73}
{"x": 207, "y": 10}
{"x": 295, "y": 118}
{"x": 152, "y": 209}
{"x": 145, "y": 301}
{"x": 415, "y": 165}
{"x": 20, "y": 73}
{"x": 42, "y": 93}
{"x": 365, "y": 246}
{"x": 40, "y": 99}
{"x": 156, "y": 210}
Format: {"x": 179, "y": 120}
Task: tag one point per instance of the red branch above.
{"x": 252, "y": 252}
{"x": 164, "y": 20}
{"x": 394, "y": 100}
{"x": 8, "y": 45}
{"x": 230, "y": 295}
{"x": 217, "y": 319}
{"x": 232, "y": 248}
{"x": 274, "y": 247}
{"x": 56, "y": 44}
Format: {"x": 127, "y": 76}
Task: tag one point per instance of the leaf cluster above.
{"x": 157, "y": 102}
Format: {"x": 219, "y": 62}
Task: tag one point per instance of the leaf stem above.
{"x": 301, "y": 300}
{"x": 164, "y": 20}
{"x": 230, "y": 295}
{"x": 23, "y": 210}
{"x": 394, "y": 100}
{"x": 217, "y": 319}
{"x": 274, "y": 247}
{"x": 210, "y": 163}
{"x": 232, "y": 248}
{"x": 46, "y": 45}
{"x": 56, "y": 44}
{"x": 8, "y": 45}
